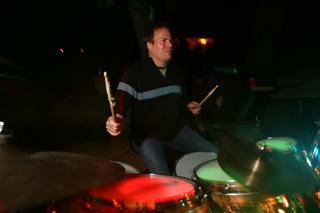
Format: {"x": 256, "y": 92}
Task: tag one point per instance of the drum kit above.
{"x": 265, "y": 176}
{"x": 274, "y": 174}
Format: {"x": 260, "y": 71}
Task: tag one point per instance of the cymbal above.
{"x": 10, "y": 63}
{"x": 301, "y": 77}
{"x": 246, "y": 131}
{"x": 7, "y": 151}
{"x": 265, "y": 170}
{"x": 38, "y": 178}
{"x": 305, "y": 91}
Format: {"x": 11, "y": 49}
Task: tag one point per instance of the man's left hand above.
{"x": 193, "y": 107}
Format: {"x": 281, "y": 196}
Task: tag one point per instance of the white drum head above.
{"x": 129, "y": 170}
{"x": 186, "y": 164}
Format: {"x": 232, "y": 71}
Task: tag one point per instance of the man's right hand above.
{"x": 114, "y": 127}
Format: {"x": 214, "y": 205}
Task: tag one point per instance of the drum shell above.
{"x": 196, "y": 203}
{"x": 256, "y": 204}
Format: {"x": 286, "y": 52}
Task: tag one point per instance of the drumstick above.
{"x": 110, "y": 98}
{"x": 210, "y": 93}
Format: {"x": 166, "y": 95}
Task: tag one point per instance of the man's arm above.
{"x": 124, "y": 101}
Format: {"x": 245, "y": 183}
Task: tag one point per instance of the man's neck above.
{"x": 160, "y": 63}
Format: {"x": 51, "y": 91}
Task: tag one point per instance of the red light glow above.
{"x": 300, "y": 199}
{"x": 284, "y": 201}
{"x": 88, "y": 206}
{"x": 318, "y": 194}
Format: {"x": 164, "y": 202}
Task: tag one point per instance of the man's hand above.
{"x": 193, "y": 107}
{"x": 114, "y": 127}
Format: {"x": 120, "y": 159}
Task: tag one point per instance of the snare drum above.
{"x": 144, "y": 193}
{"x": 286, "y": 145}
{"x": 210, "y": 176}
{"x": 129, "y": 170}
{"x": 186, "y": 164}
{"x": 228, "y": 195}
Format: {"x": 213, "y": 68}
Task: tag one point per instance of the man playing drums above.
{"x": 155, "y": 90}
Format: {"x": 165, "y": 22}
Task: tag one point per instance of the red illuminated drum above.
{"x": 144, "y": 193}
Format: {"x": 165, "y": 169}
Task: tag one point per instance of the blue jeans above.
{"x": 153, "y": 152}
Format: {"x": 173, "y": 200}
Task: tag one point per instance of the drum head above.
{"x": 186, "y": 164}
{"x": 280, "y": 144}
{"x": 144, "y": 193}
{"x": 129, "y": 170}
{"x": 144, "y": 188}
{"x": 211, "y": 172}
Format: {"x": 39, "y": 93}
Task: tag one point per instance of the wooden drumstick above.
{"x": 110, "y": 98}
{"x": 210, "y": 93}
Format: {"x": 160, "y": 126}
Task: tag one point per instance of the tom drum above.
{"x": 228, "y": 195}
{"x": 144, "y": 193}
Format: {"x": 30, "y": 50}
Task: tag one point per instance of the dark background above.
{"x": 32, "y": 32}
{"x": 61, "y": 109}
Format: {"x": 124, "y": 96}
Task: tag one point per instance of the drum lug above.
{"x": 205, "y": 197}
{"x": 193, "y": 177}
{"x": 224, "y": 188}
{"x": 224, "y": 198}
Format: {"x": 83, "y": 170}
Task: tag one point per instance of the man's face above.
{"x": 161, "y": 49}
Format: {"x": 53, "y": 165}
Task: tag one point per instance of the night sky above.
{"x": 32, "y": 32}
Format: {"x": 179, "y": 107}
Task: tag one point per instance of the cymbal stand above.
{"x": 314, "y": 156}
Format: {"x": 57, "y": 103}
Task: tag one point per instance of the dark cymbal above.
{"x": 8, "y": 152}
{"x": 38, "y": 178}
{"x": 10, "y": 63}
{"x": 265, "y": 170}
{"x": 305, "y": 91}
{"x": 302, "y": 77}
{"x": 246, "y": 131}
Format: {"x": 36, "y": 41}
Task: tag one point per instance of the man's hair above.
{"x": 149, "y": 33}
